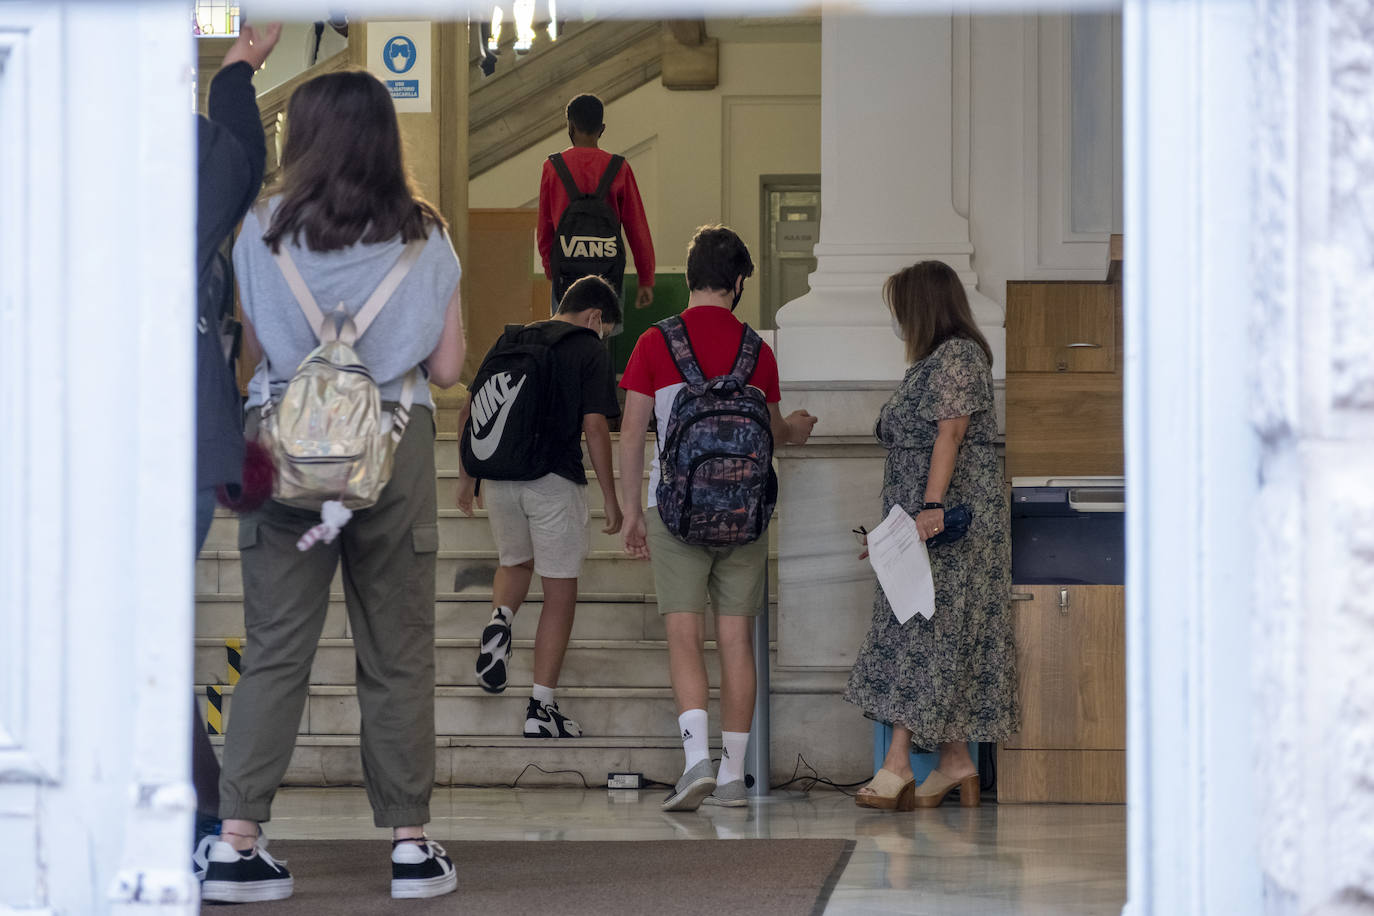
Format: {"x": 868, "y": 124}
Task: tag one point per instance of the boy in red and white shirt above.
{"x": 717, "y": 265}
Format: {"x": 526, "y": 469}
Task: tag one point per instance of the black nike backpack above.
{"x": 512, "y": 402}
{"x": 587, "y": 240}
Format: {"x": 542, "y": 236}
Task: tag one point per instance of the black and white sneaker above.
{"x": 244, "y": 877}
{"x": 543, "y": 720}
{"x": 421, "y": 869}
{"x": 494, "y": 654}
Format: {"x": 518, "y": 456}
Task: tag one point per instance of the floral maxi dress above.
{"x": 953, "y": 677}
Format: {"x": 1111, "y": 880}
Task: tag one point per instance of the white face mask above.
{"x": 897, "y": 329}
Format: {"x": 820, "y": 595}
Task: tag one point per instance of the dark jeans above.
{"x": 204, "y": 766}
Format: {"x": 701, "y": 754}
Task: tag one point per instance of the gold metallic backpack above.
{"x": 327, "y": 434}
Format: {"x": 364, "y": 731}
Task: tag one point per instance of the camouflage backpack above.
{"x": 716, "y": 486}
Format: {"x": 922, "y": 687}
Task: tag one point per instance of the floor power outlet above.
{"x": 624, "y": 780}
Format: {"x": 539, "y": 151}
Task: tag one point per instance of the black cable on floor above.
{"x": 815, "y": 778}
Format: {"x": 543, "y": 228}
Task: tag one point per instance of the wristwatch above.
{"x": 940, "y": 506}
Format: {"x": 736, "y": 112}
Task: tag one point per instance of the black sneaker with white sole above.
{"x": 493, "y": 657}
{"x": 421, "y": 869}
{"x": 543, "y": 720}
{"x": 244, "y": 877}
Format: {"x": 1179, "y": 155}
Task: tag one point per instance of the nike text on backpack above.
{"x": 327, "y": 434}
{"x": 512, "y": 418}
{"x": 716, "y": 483}
{"x": 587, "y": 240}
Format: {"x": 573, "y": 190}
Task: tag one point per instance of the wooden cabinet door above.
{"x": 1071, "y": 662}
{"x": 1061, "y": 327}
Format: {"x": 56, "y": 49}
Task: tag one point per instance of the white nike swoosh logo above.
{"x": 484, "y": 447}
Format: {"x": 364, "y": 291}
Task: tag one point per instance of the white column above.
{"x": 894, "y": 174}
{"x": 888, "y": 186}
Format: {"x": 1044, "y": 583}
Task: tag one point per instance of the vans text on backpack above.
{"x": 588, "y": 239}
{"x": 512, "y": 405}
{"x": 717, "y": 487}
{"x": 327, "y": 434}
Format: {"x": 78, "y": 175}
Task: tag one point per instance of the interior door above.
{"x": 790, "y": 226}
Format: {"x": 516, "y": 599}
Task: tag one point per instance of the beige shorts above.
{"x": 685, "y": 574}
{"x": 544, "y": 520}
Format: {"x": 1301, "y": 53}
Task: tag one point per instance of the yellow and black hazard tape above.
{"x": 233, "y": 649}
{"x": 214, "y": 710}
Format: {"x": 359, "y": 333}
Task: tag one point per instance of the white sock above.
{"x": 733, "y": 746}
{"x": 543, "y": 694}
{"x": 693, "y": 725}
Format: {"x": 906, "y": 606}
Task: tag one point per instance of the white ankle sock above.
{"x": 733, "y": 746}
{"x": 542, "y": 694}
{"x": 693, "y": 725}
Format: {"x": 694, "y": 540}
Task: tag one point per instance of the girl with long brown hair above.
{"x": 950, "y": 680}
{"x": 342, "y": 217}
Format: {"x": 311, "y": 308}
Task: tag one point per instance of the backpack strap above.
{"x": 294, "y": 281}
{"x": 387, "y": 288}
{"x": 603, "y": 190}
{"x": 674, "y": 332}
{"x": 569, "y": 184}
{"x": 747, "y": 359}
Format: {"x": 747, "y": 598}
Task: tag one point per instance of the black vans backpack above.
{"x": 512, "y": 419}
{"x": 587, "y": 240}
{"x": 716, "y": 486}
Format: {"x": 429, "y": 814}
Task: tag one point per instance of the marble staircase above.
{"x": 614, "y": 682}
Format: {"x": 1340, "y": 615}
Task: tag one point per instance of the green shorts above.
{"x": 684, "y": 574}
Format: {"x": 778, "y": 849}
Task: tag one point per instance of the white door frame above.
{"x": 97, "y": 206}
{"x": 107, "y": 445}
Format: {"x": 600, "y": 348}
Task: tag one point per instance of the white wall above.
{"x": 697, "y": 156}
{"x": 291, "y": 57}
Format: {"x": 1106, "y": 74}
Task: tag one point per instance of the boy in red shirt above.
{"x": 587, "y": 162}
{"x": 717, "y": 265}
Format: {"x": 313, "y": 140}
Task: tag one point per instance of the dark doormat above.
{"x": 659, "y": 878}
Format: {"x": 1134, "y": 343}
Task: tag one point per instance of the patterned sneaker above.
{"x": 543, "y": 720}
{"x": 494, "y": 653}
{"x": 421, "y": 869}
{"x": 244, "y": 877}
{"x": 730, "y": 795}
{"x": 695, "y": 784}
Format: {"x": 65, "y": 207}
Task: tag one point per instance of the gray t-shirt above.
{"x": 405, "y": 332}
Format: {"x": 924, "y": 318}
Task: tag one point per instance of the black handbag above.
{"x": 957, "y": 521}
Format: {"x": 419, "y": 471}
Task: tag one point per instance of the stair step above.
{"x": 465, "y": 570}
{"x": 599, "y": 616}
{"x": 447, "y": 483}
{"x": 333, "y": 760}
{"x": 457, "y": 531}
{"x": 601, "y": 711}
{"x": 446, "y": 451}
{"x": 588, "y": 662}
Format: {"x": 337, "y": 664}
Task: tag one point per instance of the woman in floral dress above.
{"x": 943, "y": 682}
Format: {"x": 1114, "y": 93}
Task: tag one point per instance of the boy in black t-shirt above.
{"x": 540, "y": 526}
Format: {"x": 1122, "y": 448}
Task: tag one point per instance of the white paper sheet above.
{"x": 900, "y": 559}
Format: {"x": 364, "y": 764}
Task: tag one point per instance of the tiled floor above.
{"x": 1046, "y": 860}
